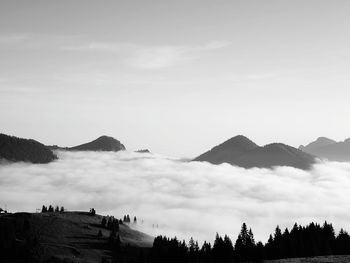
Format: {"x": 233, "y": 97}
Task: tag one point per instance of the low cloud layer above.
{"x": 183, "y": 198}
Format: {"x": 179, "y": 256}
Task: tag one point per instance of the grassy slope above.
{"x": 73, "y": 235}
{"x": 323, "y": 259}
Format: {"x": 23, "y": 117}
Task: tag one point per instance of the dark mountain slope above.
{"x": 17, "y": 149}
{"x": 243, "y": 152}
{"x": 329, "y": 149}
{"x": 276, "y": 154}
{"x": 229, "y": 151}
{"x": 103, "y": 143}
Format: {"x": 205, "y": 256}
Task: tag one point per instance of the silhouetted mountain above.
{"x": 276, "y": 154}
{"x": 103, "y": 143}
{"x": 229, "y": 151}
{"x": 329, "y": 149}
{"x": 243, "y": 152}
{"x": 320, "y": 142}
{"x": 143, "y": 151}
{"x": 17, "y": 149}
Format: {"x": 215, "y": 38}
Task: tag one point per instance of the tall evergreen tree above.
{"x": 104, "y": 222}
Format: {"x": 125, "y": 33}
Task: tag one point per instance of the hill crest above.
{"x": 228, "y": 151}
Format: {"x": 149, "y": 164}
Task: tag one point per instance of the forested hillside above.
{"x": 24, "y": 150}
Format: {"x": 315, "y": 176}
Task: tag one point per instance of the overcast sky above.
{"x": 177, "y": 77}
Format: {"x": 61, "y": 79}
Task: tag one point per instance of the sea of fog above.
{"x": 185, "y": 199}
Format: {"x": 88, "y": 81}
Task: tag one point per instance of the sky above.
{"x": 184, "y": 199}
{"x": 176, "y": 77}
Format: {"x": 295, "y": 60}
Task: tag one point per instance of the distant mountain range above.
{"x": 241, "y": 151}
{"x": 329, "y": 149}
{"x": 16, "y": 149}
{"x": 26, "y": 150}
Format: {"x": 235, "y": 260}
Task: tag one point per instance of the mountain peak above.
{"x": 228, "y": 151}
{"x": 239, "y": 141}
{"x": 105, "y": 137}
{"x": 325, "y": 140}
{"x": 102, "y": 143}
{"x": 320, "y": 142}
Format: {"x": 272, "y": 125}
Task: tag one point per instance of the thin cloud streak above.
{"x": 31, "y": 41}
{"x": 12, "y": 39}
{"x": 152, "y": 57}
{"x": 183, "y": 198}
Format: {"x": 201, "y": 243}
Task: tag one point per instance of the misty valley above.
{"x": 238, "y": 202}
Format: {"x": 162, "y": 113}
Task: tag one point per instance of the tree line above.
{"x": 52, "y": 209}
{"x": 301, "y": 241}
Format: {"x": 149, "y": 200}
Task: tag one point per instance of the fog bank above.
{"x": 183, "y": 198}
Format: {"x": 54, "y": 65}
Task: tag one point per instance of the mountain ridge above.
{"x": 243, "y": 152}
{"x": 329, "y": 149}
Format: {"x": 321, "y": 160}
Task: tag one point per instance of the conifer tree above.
{"x": 104, "y": 222}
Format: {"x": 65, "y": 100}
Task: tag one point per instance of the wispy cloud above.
{"x": 29, "y": 41}
{"x": 159, "y": 57}
{"x": 12, "y": 39}
{"x": 183, "y": 198}
{"x": 137, "y": 56}
{"x": 152, "y": 57}
{"x": 167, "y": 56}
{"x": 99, "y": 46}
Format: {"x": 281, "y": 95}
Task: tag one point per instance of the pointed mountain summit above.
{"x": 228, "y": 151}
{"x": 243, "y": 152}
{"x": 103, "y": 143}
{"x": 329, "y": 149}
